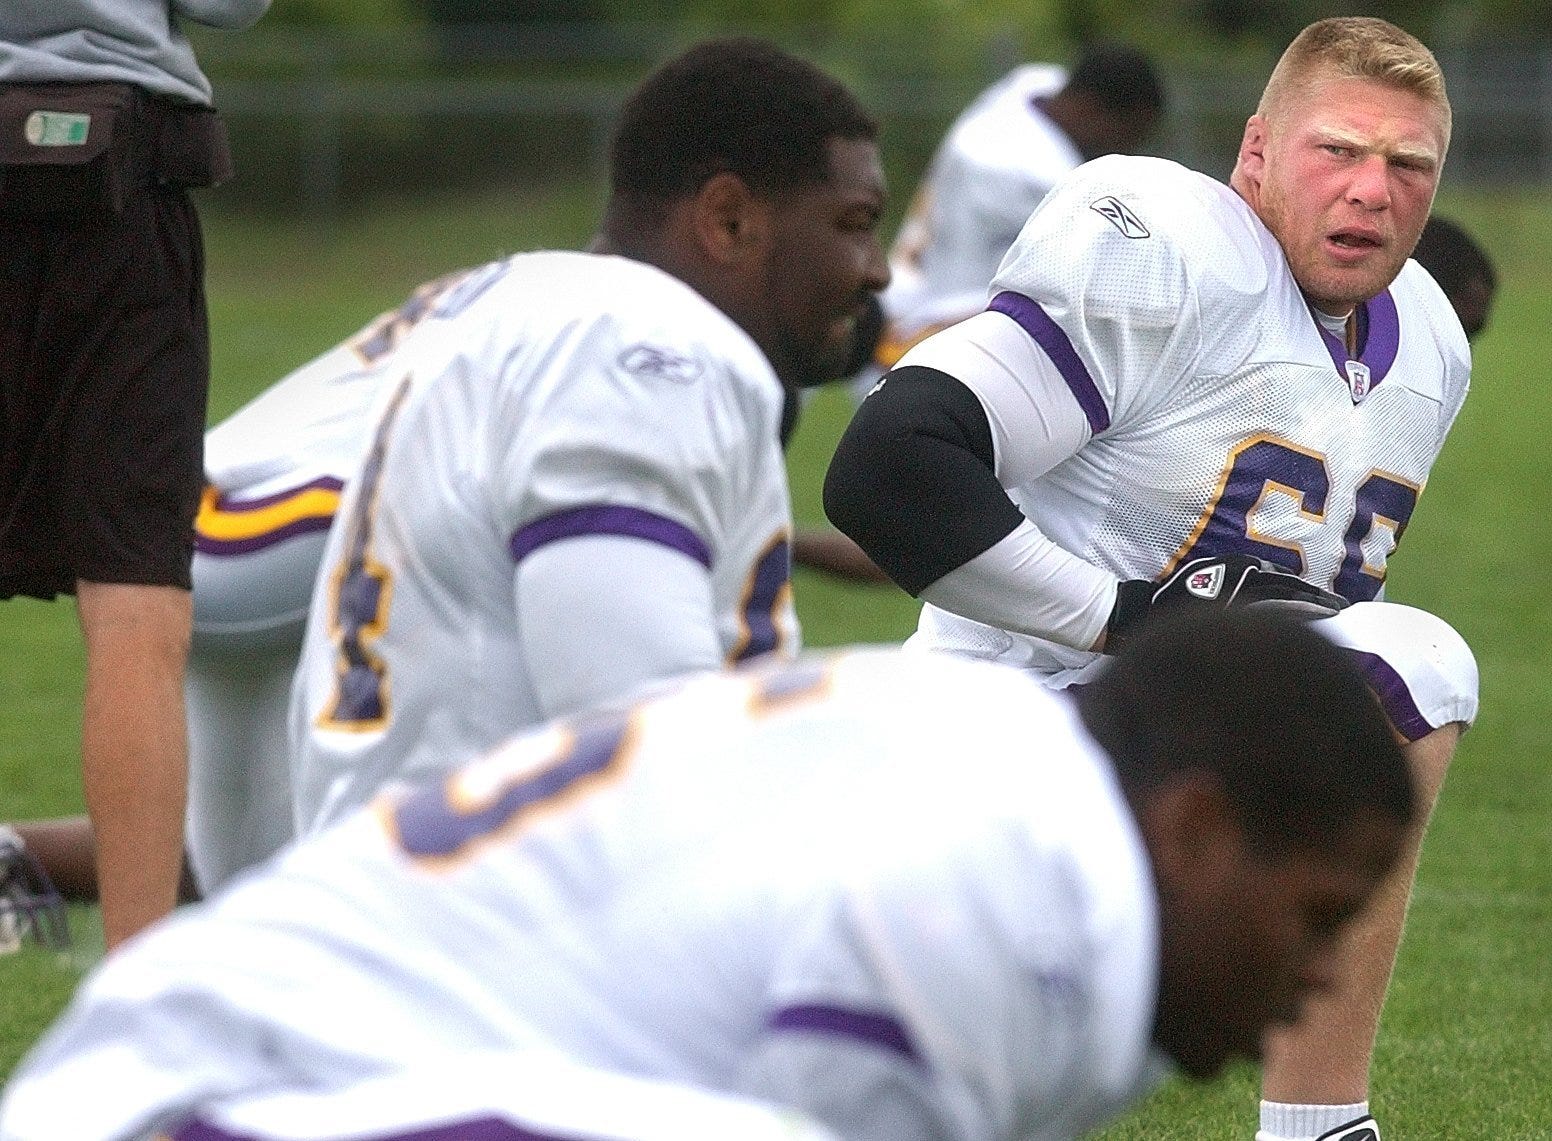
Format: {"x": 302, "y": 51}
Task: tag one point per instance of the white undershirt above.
{"x": 1336, "y": 326}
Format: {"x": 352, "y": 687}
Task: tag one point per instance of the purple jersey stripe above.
{"x": 1049, "y": 336}
{"x": 874, "y": 1028}
{"x": 469, "y": 1129}
{"x": 1383, "y": 341}
{"x": 609, "y": 519}
{"x": 1395, "y": 698}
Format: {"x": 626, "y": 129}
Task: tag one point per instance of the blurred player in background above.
{"x": 911, "y": 896}
{"x": 1463, "y": 270}
{"x": 1185, "y": 392}
{"x": 999, "y": 159}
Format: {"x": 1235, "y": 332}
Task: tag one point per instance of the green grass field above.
{"x": 1467, "y": 1043}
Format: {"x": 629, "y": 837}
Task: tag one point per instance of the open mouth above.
{"x": 1355, "y": 240}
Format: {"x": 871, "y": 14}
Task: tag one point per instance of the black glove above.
{"x": 1220, "y": 580}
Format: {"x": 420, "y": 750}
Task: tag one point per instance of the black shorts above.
{"x": 104, "y": 369}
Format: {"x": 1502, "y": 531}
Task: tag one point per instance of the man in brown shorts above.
{"x": 105, "y": 122}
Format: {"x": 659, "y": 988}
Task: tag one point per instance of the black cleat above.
{"x": 1361, "y": 1129}
{"x": 30, "y": 906}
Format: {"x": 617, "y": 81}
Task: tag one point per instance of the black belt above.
{"x": 78, "y": 147}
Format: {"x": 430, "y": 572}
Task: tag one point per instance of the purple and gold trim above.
{"x": 1260, "y": 466}
{"x": 1385, "y": 501}
{"x": 789, "y": 684}
{"x": 1394, "y": 696}
{"x": 873, "y": 1028}
{"x": 766, "y": 592}
{"x": 227, "y": 525}
{"x": 608, "y": 519}
{"x": 1264, "y": 465}
{"x": 1049, "y": 336}
{"x": 361, "y": 590}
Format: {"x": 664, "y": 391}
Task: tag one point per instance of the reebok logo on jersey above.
{"x": 1206, "y": 583}
{"x": 650, "y": 360}
{"x": 1120, "y": 216}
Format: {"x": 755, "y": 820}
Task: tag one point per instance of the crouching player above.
{"x": 907, "y": 895}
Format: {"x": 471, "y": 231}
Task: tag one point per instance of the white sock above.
{"x": 1281, "y": 1121}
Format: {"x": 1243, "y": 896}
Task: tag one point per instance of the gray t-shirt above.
{"x": 124, "y": 41}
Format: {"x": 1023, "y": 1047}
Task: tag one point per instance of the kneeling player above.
{"x": 910, "y": 896}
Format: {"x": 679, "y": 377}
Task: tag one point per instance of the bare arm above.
{"x": 826, "y": 549}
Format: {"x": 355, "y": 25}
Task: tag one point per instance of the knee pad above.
{"x": 1418, "y": 665}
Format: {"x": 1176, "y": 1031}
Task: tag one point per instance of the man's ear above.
{"x": 1251, "y": 161}
{"x": 732, "y": 223}
{"x": 1192, "y": 833}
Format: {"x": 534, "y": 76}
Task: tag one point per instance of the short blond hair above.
{"x": 1356, "y": 47}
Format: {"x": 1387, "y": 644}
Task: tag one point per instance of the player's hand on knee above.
{"x": 1217, "y": 580}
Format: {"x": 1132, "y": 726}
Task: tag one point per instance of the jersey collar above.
{"x": 1379, "y": 339}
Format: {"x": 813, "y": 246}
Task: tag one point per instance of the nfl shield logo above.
{"x": 1206, "y": 583}
{"x": 1358, "y": 380}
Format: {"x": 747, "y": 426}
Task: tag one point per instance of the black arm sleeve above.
{"x": 912, "y": 479}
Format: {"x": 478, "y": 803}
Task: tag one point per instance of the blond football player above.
{"x": 1186, "y": 392}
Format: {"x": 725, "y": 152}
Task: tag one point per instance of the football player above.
{"x": 574, "y": 483}
{"x": 1186, "y": 391}
{"x": 910, "y": 896}
{"x": 252, "y": 586}
{"x": 998, "y": 160}
{"x": 579, "y": 489}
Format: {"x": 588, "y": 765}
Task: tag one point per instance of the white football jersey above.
{"x": 1221, "y": 417}
{"x": 565, "y": 399}
{"x": 998, "y": 160}
{"x": 274, "y": 470}
{"x": 901, "y": 893}
{"x": 275, "y": 467}
{"x": 499, "y": 1095}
